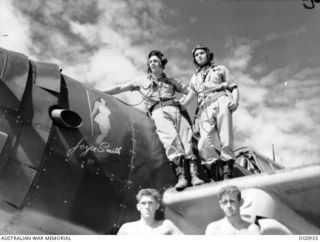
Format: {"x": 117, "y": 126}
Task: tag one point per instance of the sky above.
{"x": 270, "y": 48}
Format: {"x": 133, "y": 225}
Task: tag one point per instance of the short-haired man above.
{"x": 148, "y": 203}
{"x": 230, "y": 202}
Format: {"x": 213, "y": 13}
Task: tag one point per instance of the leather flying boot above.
{"x": 213, "y": 172}
{"x": 219, "y": 172}
{"x": 195, "y": 180}
{"x": 182, "y": 181}
{"x": 228, "y": 169}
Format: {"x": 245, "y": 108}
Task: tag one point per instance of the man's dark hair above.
{"x": 149, "y": 192}
{"x": 230, "y": 190}
{"x": 160, "y": 55}
{"x": 210, "y": 54}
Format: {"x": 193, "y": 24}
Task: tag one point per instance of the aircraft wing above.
{"x": 286, "y": 202}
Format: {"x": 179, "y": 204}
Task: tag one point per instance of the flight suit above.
{"x": 172, "y": 127}
{"x": 213, "y": 87}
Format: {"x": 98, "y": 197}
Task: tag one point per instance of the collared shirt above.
{"x": 212, "y": 77}
{"x": 154, "y": 90}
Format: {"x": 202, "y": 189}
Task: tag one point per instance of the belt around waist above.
{"x": 164, "y": 104}
{"x": 212, "y": 98}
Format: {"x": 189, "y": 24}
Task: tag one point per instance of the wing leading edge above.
{"x": 288, "y": 196}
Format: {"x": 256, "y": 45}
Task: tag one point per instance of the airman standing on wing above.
{"x": 174, "y": 131}
{"x": 218, "y": 98}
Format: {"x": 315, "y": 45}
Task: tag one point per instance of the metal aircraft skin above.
{"x": 73, "y": 158}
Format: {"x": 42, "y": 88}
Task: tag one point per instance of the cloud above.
{"x": 15, "y": 30}
{"x": 193, "y": 19}
{"x": 286, "y": 120}
{"x": 240, "y": 52}
{"x": 276, "y": 36}
{"x": 258, "y": 69}
{"x": 279, "y": 108}
{"x": 74, "y": 31}
{"x": 291, "y": 131}
{"x": 100, "y": 43}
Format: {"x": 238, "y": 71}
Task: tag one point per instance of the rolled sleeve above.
{"x": 180, "y": 86}
{"x": 227, "y": 77}
{"x": 192, "y": 84}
